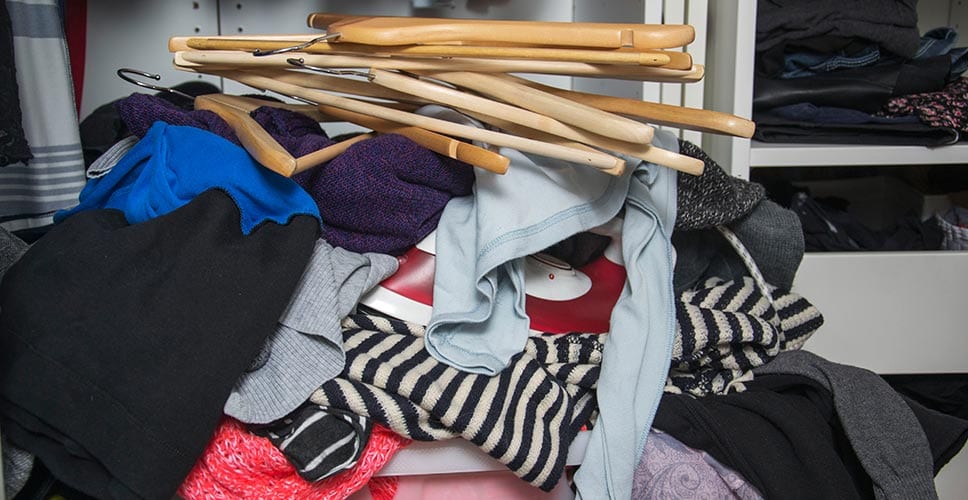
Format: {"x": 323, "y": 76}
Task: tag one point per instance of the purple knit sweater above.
{"x": 384, "y": 194}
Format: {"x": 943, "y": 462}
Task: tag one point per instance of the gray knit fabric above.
{"x": 713, "y": 198}
{"x": 770, "y": 234}
{"x": 774, "y": 238}
{"x": 11, "y": 248}
{"x": 306, "y": 349}
{"x": 104, "y": 163}
{"x": 17, "y": 464}
{"x": 883, "y": 431}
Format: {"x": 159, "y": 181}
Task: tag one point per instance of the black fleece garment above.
{"x": 119, "y": 343}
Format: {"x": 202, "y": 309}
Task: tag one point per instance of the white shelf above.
{"x": 806, "y": 155}
{"x": 459, "y": 456}
{"x": 889, "y": 312}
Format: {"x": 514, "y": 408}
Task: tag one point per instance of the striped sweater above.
{"x": 725, "y": 329}
{"x": 527, "y": 415}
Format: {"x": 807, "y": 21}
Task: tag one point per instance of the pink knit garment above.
{"x": 240, "y": 465}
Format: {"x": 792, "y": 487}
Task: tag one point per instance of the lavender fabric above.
{"x": 384, "y": 194}
{"x": 670, "y": 469}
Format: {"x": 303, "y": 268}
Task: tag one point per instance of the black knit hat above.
{"x": 119, "y": 343}
{"x": 714, "y": 198}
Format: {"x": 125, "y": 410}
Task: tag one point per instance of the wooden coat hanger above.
{"x": 238, "y": 59}
{"x": 658, "y": 58}
{"x": 602, "y": 161}
{"x": 647, "y": 152}
{"x": 518, "y": 121}
{"x": 566, "y": 110}
{"x": 259, "y": 143}
{"x": 360, "y": 88}
{"x": 399, "y": 30}
{"x": 442, "y": 144}
{"x": 447, "y": 146}
{"x": 496, "y": 113}
{"x": 703, "y": 120}
{"x": 438, "y": 143}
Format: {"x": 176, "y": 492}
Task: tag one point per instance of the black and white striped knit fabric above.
{"x": 726, "y": 328}
{"x": 318, "y": 441}
{"x": 528, "y": 415}
{"x": 525, "y": 417}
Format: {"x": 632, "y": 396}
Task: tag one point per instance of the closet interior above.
{"x": 861, "y": 311}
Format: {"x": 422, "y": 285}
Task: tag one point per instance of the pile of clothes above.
{"x": 193, "y": 327}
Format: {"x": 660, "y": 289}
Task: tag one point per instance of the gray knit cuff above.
{"x": 306, "y": 349}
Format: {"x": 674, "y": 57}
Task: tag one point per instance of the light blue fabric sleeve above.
{"x": 478, "y": 321}
{"x": 635, "y": 361}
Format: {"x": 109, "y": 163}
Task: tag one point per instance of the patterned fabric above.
{"x": 238, "y": 465}
{"x": 318, "y": 441}
{"x": 954, "y": 226}
{"x": 946, "y": 108}
{"x": 727, "y": 328}
{"x": 391, "y": 378}
{"x": 670, "y": 469}
{"x": 13, "y": 143}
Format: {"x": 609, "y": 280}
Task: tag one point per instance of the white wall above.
{"x": 134, "y": 33}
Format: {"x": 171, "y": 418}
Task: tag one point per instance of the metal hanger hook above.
{"x": 123, "y": 74}
{"x": 300, "y": 62}
{"x": 314, "y": 41}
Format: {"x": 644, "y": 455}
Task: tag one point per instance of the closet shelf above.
{"x": 889, "y": 312}
{"x": 810, "y": 155}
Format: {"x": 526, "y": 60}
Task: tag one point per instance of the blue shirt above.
{"x": 173, "y": 164}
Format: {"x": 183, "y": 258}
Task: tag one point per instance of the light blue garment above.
{"x": 635, "y": 362}
{"x": 479, "y": 321}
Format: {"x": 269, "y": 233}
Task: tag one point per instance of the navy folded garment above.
{"x": 772, "y": 128}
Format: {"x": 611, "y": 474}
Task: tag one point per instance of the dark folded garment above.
{"x": 892, "y": 24}
{"x": 866, "y": 89}
{"x": 771, "y": 128}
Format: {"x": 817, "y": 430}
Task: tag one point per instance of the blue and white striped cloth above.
{"x": 31, "y": 192}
